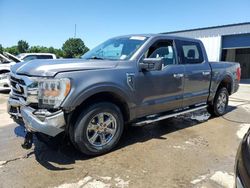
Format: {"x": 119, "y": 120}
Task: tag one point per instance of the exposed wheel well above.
{"x": 227, "y": 83}
{"x": 103, "y": 97}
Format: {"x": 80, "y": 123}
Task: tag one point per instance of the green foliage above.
{"x": 74, "y": 47}
{"x": 22, "y": 46}
{"x": 38, "y": 49}
{"x": 42, "y": 49}
{"x": 59, "y": 53}
{"x": 13, "y": 50}
{"x": 71, "y": 48}
{"x": 1, "y": 49}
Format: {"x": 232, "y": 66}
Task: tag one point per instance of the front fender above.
{"x": 74, "y": 99}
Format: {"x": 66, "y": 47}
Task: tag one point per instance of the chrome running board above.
{"x": 159, "y": 118}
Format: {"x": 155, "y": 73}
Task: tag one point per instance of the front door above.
{"x": 159, "y": 91}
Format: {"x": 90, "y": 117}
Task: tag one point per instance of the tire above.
{"x": 220, "y": 103}
{"x": 98, "y": 129}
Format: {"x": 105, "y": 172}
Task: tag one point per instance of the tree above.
{"x": 34, "y": 49}
{"x": 13, "y": 50}
{"x": 1, "y": 49}
{"x": 74, "y": 47}
{"x": 22, "y": 46}
{"x": 59, "y": 53}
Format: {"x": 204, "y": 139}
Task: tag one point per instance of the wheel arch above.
{"x": 226, "y": 82}
{"x": 112, "y": 96}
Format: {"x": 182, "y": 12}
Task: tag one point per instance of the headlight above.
{"x": 52, "y": 92}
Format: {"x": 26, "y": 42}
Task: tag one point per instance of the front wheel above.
{"x": 98, "y": 128}
{"x": 220, "y": 103}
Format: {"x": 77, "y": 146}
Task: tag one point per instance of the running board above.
{"x": 147, "y": 121}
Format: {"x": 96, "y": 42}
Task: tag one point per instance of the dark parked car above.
{"x": 242, "y": 163}
{"x": 133, "y": 79}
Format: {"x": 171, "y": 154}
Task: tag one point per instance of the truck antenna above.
{"x": 75, "y": 31}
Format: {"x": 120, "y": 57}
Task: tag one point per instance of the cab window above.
{"x": 191, "y": 52}
{"x": 162, "y": 49}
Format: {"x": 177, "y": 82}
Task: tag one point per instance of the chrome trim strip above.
{"x": 15, "y": 103}
{"x": 30, "y": 94}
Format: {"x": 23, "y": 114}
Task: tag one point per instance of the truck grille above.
{"x": 24, "y": 89}
{"x": 18, "y": 87}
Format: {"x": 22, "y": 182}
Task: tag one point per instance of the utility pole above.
{"x": 75, "y": 31}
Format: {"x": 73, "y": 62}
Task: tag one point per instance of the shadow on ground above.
{"x": 62, "y": 153}
{"x": 59, "y": 154}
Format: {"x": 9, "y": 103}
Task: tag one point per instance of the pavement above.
{"x": 192, "y": 150}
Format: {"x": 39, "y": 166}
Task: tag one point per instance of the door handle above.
{"x": 206, "y": 73}
{"x": 178, "y": 75}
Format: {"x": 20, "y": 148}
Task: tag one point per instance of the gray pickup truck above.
{"x": 127, "y": 80}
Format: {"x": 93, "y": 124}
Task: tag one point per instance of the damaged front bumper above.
{"x": 49, "y": 123}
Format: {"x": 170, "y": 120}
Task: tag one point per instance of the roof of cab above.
{"x": 160, "y": 35}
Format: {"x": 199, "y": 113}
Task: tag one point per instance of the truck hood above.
{"x": 52, "y": 67}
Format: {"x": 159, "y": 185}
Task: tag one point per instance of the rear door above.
{"x": 197, "y": 73}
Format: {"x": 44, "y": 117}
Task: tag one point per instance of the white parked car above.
{"x": 7, "y": 60}
{"x": 31, "y": 56}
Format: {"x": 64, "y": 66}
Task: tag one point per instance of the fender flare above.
{"x": 100, "y": 88}
{"x": 218, "y": 82}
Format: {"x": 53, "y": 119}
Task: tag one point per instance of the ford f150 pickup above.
{"x": 133, "y": 79}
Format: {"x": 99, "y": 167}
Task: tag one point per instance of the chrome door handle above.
{"x": 178, "y": 75}
{"x": 206, "y": 73}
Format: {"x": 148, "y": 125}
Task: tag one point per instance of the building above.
{"x": 224, "y": 43}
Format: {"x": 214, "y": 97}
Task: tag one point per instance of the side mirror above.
{"x": 151, "y": 64}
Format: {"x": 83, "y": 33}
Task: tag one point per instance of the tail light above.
{"x": 238, "y": 73}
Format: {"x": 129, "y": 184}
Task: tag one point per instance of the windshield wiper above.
{"x": 95, "y": 57}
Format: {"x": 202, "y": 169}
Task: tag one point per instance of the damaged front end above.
{"x": 36, "y": 102}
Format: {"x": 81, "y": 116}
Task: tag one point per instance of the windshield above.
{"x": 116, "y": 49}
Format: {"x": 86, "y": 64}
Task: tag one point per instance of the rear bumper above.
{"x": 37, "y": 120}
{"x": 236, "y": 86}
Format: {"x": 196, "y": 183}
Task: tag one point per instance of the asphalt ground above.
{"x": 193, "y": 150}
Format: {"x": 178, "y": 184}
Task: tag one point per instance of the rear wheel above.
{"x": 98, "y": 129}
{"x": 220, "y": 103}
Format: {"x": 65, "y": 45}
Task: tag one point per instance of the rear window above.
{"x": 191, "y": 52}
{"x": 44, "y": 57}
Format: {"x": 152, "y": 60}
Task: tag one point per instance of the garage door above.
{"x": 236, "y": 41}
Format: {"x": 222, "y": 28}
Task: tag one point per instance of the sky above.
{"x": 52, "y": 22}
